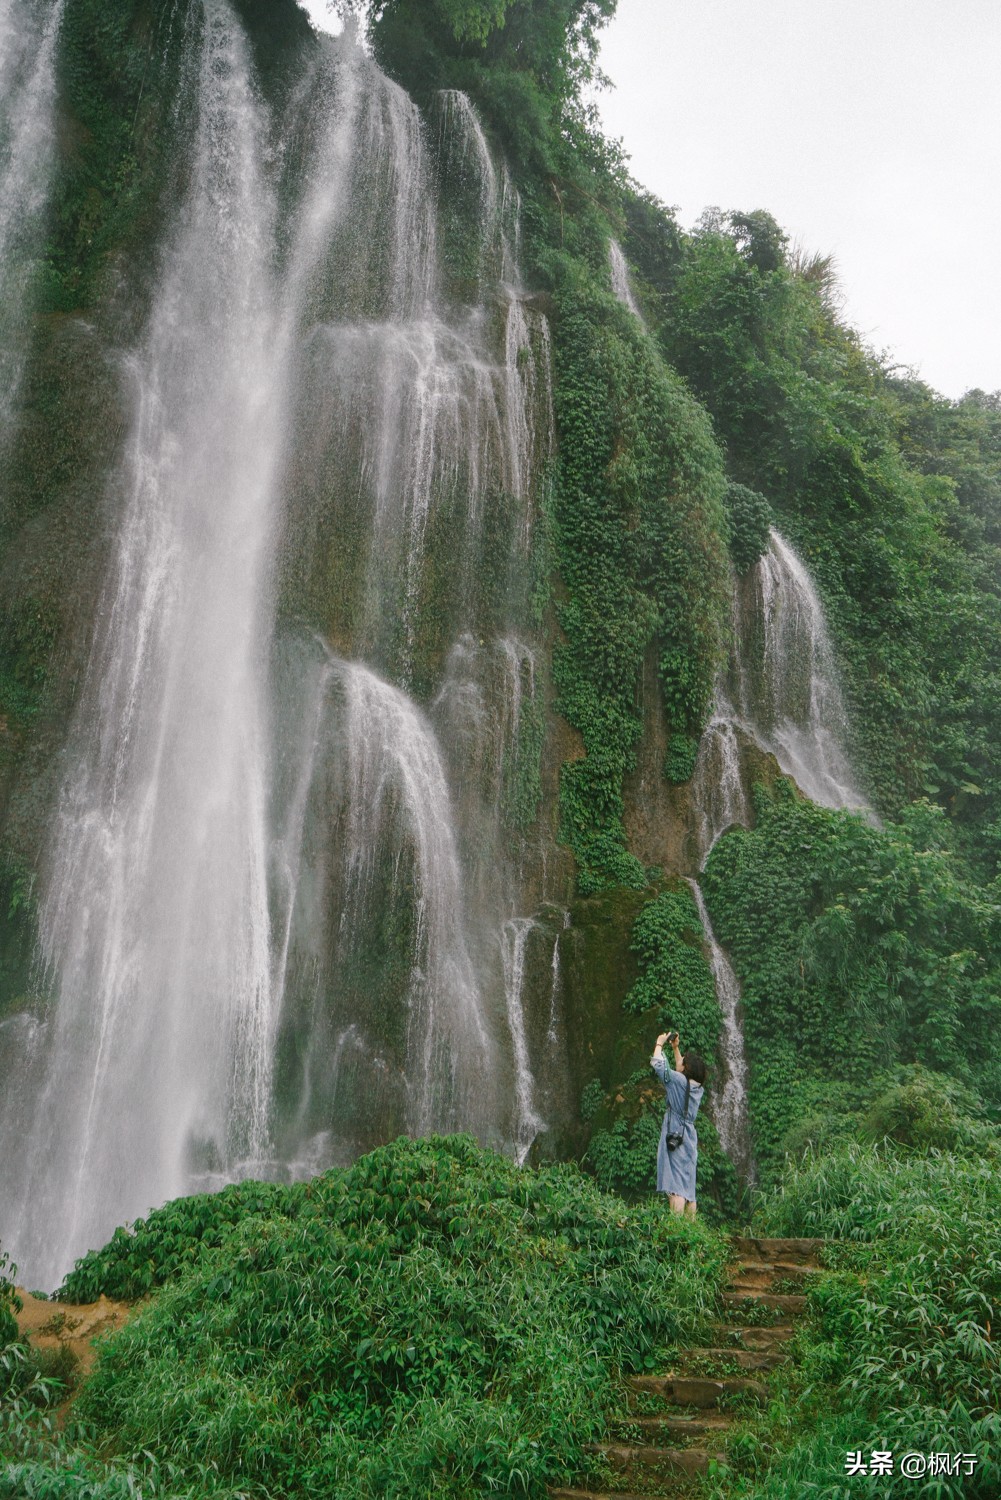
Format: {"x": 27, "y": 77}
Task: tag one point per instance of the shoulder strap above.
{"x": 684, "y": 1113}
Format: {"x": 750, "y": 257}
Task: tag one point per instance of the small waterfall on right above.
{"x": 619, "y": 270}
{"x": 780, "y": 694}
{"x": 730, "y": 1099}
{"x": 787, "y": 691}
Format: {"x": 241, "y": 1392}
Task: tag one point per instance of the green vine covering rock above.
{"x": 879, "y": 950}
{"x": 638, "y": 511}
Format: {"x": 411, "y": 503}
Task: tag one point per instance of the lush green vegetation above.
{"x": 892, "y": 493}
{"x": 431, "y": 1321}
{"x": 899, "y": 1354}
{"x": 881, "y": 949}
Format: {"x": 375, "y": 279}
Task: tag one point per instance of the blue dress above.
{"x": 676, "y": 1169}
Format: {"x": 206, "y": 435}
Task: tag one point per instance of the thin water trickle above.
{"x": 619, "y": 270}
{"x": 28, "y": 35}
{"x": 527, "y": 1121}
{"x": 730, "y": 1097}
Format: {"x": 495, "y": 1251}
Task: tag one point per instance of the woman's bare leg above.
{"x": 690, "y": 1208}
{"x": 677, "y": 1203}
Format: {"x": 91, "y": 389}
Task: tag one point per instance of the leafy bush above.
{"x": 679, "y": 762}
{"x": 432, "y": 1320}
{"x": 902, "y": 1356}
{"x": 923, "y": 1109}
{"x": 8, "y": 1301}
{"x": 750, "y": 518}
{"x": 151, "y": 1251}
{"x": 858, "y": 947}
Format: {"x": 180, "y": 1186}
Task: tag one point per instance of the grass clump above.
{"x": 432, "y": 1321}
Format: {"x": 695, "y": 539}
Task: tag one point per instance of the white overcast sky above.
{"x": 870, "y": 129}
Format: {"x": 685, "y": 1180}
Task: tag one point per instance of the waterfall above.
{"x": 28, "y": 34}
{"x": 780, "y": 692}
{"x": 514, "y": 937}
{"x": 718, "y": 799}
{"x": 730, "y": 1098}
{"x": 787, "y": 680}
{"x": 268, "y": 921}
{"x": 154, "y": 923}
{"x": 369, "y": 765}
{"x": 620, "y": 278}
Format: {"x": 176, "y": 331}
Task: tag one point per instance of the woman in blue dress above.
{"x": 683, "y": 1086}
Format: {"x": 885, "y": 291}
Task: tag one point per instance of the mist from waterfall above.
{"x": 28, "y": 35}
{"x": 264, "y": 896}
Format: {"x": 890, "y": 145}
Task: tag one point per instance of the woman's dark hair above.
{"x": 694, "y": 1067}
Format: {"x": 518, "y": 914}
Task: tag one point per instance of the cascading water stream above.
{"x": 370, "y": 765}
{"x": 154, "y": 923}
{"x": 787, "y": 680}
{"x": 28, "y": 34}
{"x": 528, "y": 1122}
{"x": 619, "y": 269}
{"x": 719, "y": 800}
{"x": 730, "y": 1098}
{"x": 780, "y": 693}
{"x": 258, "y": 867}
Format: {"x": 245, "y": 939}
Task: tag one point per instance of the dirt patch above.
{"x": 54, "y": 1326}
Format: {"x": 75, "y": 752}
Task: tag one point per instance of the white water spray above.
{"x": 528, "y": 1122}
{"x": 28, "y": 34}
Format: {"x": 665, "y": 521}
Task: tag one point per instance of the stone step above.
{"x": 789, "y": 1302}
{"x": 759, "y": 1272}
{"x": 684, "y": 1390}
{"x": 680, "y": 1429}
{"x": 747, "y": 1359}
{"x": 799, "y": 1251}
{"x": 761, "y": 1337}
{"x": 633, "y": 1460}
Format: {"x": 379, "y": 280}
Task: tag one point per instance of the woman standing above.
{"x": 683, "y": 1086}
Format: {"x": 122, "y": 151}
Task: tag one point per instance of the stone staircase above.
{"x": 677, "y": 1423}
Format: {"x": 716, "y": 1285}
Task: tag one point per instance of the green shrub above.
{"x": 750, "y": 518}
{"x": 900, "y": 1356}
{"x": 430, "y": 1321}
{"x": 924, "y": 1109}
{"x": 679, "y": 762}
